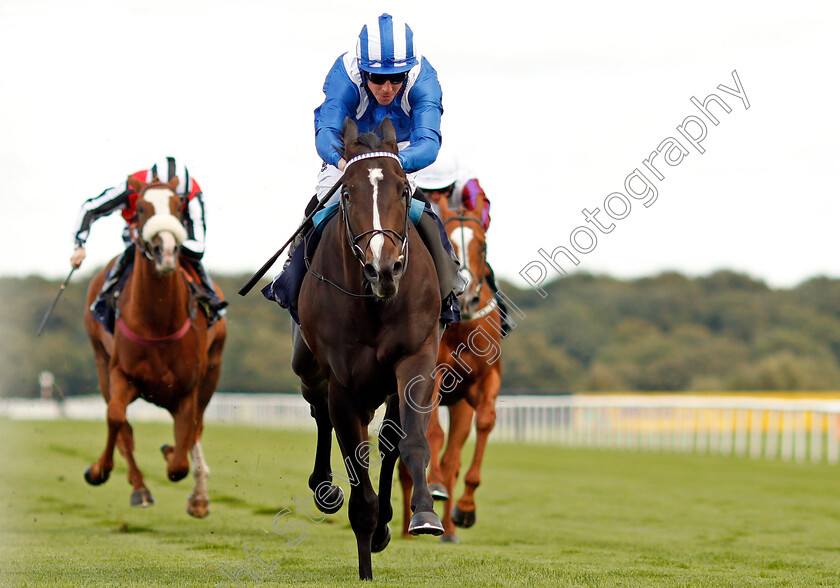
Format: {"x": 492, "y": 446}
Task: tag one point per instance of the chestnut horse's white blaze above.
{"x": 463, "y": 241}
{"x": 165, "y": 225}
{"x": 377, "y": 241}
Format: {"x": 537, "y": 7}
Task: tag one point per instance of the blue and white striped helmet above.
{"x": 386, "y": 46}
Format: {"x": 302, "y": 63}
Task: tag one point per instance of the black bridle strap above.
{"x": 464, "y": 219}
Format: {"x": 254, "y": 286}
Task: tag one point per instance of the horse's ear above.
{"x": 135, "y": 184}
{"x": 389, "y": 135}
{"x": 173, "y": 183}
{"x": 350, "y": 133}
{"x": 443, "y": 205}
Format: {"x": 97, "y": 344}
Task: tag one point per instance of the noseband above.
{"x": 398, "y": 240}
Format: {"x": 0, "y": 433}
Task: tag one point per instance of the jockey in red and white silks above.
{"x": 123, "y": 198}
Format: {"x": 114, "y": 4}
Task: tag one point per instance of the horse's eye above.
{"x": 407, "y": 192}
{"x": 345, "y": 193}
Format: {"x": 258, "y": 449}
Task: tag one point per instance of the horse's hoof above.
{"x": 461, "y": 518}
{"x": 425, "y": 523}
{"x": 438, "y": 492}
{"x": 331, "y": 502}
{"x": 379, "y": 545}
{"x": 449, "y": 539}
{"x": 96, "y": 480}
{"x": 142, "y": 498}
{"x": 199, "y": 508}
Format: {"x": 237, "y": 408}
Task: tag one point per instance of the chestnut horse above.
{"x": 369, "y": 309}
{"x": 162, "y": 349}
{"x": 469, "y": 361}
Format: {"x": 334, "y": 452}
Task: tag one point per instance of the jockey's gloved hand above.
{"x": 77, "y": 257}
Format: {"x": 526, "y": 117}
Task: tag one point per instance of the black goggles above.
{"x": 379, "y": 79}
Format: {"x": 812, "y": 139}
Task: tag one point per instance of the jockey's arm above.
{"x": 426, "y": 112}
{"x": 112, "y": 199}
{"x": 193, "y": 218}
{"x": 340, "y": 102}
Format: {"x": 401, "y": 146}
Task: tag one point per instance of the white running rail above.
{"x": 761, "y": 428}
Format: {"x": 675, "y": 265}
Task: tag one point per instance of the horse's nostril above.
{"x": 398, "y": 269}
{"x": 475, "y": 300}
{"x": 370, "y": 273}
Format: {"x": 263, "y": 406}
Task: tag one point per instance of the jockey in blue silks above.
{"x": 384, "y": 77}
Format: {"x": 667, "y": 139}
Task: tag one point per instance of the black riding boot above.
{"x": 446, "y": 265}
{"x": 206, "y": 296}
{"x": 104, "y": 308}
{"x": 313, "y": 202}
{"x": 500, "y": 302}
{"x": 109, "y": 288}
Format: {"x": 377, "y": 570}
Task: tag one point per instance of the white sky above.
{"x": 552, "y": 105}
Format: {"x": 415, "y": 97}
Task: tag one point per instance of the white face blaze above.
{"x": 462, "y": 237}
{"x": 377, "y": 241}
{"x": 162, "y": 220}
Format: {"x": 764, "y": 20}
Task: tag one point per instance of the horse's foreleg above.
{"x": 460, "y": 422}
{"x": 121, "y": 394}
{"x": 352, "y": 438}
{"x": 435, "y": 436}
{"x": 415, "y": 386}
{"x": 463, "y": 514}
{"x": 140, "y": 495}
{"x": 186, "y": 433}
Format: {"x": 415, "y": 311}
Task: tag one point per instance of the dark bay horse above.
{"x": 470, "y": 374}
{"x": 162, "y": 349}
{"x": 369, "y": 310}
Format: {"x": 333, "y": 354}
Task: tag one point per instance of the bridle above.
{"x": 461, "y": 218}
{"x": 145, "y": 249}
{"x": 353, "y": 239}
{"x": 398, "y": 240}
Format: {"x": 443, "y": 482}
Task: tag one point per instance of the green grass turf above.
{"x": 546, "y": 516}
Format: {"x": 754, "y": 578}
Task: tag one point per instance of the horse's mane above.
{"x": 370, "y": 140}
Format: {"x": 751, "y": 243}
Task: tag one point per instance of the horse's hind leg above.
{"x": 198, "y": 504}
{"x": 435, "y": 435}
{"x": 460, "y": 421}
{"x": 463, "y": 514}
{"x": 328, "y": 496}
{"x": 363, "y": 506}
{"x": 390, "y": 435}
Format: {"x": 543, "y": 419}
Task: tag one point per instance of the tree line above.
{"x": 670, "y": 332}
